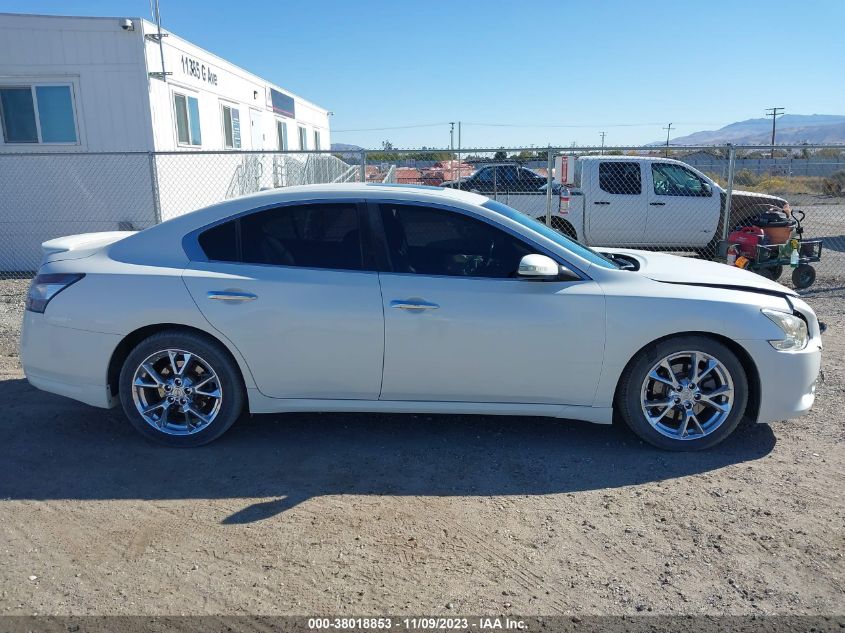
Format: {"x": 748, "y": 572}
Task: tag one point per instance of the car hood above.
{"x": 690, "y": 271}
{"x": 755, "y": 196}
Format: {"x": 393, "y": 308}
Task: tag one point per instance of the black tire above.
{"x": 803, "y": 276}
{"x": 770, "y": 272}
{"x": 213, "y": 354}
{"x": 628, "y": 399}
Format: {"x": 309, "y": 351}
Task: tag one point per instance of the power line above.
{"x": 773, "y": 112}
{"x": 520, "y": 125}
{"x": 395, "y": 127}
{"x": 587, "y": 126}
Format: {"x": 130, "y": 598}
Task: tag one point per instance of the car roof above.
{"x": 359, "y": 189}
{"x": 618, "y": 157}
{"x": 509, "y": 164}
{"x": 162, "y": 244}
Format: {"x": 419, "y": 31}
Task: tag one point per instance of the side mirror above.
{"x": 708, "y": 190}
{"x": 543, "y": 268}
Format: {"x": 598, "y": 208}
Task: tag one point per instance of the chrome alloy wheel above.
{"x": 176, "y": 392}
{"x": 687, "y": 395}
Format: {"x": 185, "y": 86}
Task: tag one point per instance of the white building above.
{"x": 86, "y": 86}
{"x": 95, "y": 85}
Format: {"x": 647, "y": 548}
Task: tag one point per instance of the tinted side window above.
{"x": 430, "y": 241}
{"x": 675, "y": 180}
{"x": 508, "y": 174}
{"x": 220, "y": 243}
{"x": 527, "y": 174}
{"x": 308, "y": 236}
{"x": 485, "y": 175}
{"x": 620, "y": 178}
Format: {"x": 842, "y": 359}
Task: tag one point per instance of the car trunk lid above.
{"x": 79, "y": 246}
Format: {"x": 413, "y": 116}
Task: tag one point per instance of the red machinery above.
{"x": 748, "y": 238}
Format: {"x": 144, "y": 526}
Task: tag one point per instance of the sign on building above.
{"x": 282, "y": 104}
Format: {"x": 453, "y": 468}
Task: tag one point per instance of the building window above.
{"x": 303, "y": 138}
{"x": 38, "y": 114}
{"x": 317, "y": 139}
{"x": 282, "y": 134}
{"x": 231, "y": 128}
{"x": 187, "y": 120}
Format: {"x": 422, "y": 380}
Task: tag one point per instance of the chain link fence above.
{"x": 671, "y": 199}
{"x": 694, "y": 201}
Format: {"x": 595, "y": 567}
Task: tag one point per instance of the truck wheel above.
{"x": 770, "y": 272}
{"x": 683, "y": 394}
{"x": 803, "y": 276}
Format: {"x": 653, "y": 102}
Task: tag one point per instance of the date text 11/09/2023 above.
{"x": 418, "y": 623}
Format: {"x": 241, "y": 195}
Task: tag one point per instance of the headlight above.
{"x": 45, "y": 287}
{"x": 793, "y": 327}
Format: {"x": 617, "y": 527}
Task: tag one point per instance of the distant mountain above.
{"x": 791, "y": 128}
{"x": 345, "y": 147}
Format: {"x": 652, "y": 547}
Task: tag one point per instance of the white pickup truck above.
{"x": 647, "y": 202}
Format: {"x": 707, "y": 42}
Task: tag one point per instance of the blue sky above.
{"x": 626, "y": 68}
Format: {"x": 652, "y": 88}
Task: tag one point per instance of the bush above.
{"x": 746, "y": 178}
{"x": 779, "y": 184}
{"x": 834, "y": 185}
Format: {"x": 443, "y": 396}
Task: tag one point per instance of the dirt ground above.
{"x": 388, "y": 514}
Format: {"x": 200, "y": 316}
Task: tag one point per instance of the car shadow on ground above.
{"x": 832, "y": 243}
{"x": 54, "y": 448}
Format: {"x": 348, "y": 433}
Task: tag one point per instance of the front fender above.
{"x": 635, "y": 322}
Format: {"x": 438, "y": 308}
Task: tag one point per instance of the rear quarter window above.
{"x": 220, "y": 243}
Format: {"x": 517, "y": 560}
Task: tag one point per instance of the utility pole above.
{"x": 773, "y": 112}
{"x": 458, "y": 177}
{"x": 602, "y": 142}
{"x": 668, "y": 129}
{"x": 452, "y": 137}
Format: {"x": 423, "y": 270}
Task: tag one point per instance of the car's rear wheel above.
{"x": 180, "y": 389}
{"x": 684, "y": 394}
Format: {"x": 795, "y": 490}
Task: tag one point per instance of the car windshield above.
{"x": 567, "y": 243}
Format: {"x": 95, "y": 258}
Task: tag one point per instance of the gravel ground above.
{"x": 375, "y": 514}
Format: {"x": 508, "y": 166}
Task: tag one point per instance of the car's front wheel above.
{"x": 685, "y": 393}
{"x": 180, "y": 389}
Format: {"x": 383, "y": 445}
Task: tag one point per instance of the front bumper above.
{"x": 787, "y": 379}
{"x": 67, "y": 361}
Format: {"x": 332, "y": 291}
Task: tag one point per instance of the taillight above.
{"x": 45, "y": 287}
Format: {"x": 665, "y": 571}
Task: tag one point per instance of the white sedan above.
{"x": 408, "y": 299}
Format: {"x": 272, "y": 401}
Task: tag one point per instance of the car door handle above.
{"x": 413, "y": 304}
{"x": 657, "y": 204}
{"x": 228, "y": 295}
{"x": 601, "y": 202}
